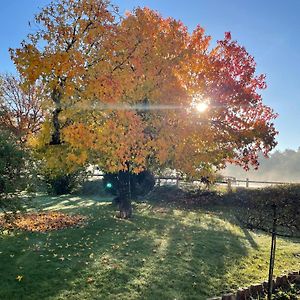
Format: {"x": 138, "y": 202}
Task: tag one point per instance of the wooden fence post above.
{"x": 229, "y": 187}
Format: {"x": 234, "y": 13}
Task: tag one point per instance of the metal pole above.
{"x": 272, "y": 254}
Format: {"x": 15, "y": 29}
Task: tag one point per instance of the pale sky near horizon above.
{"x": 270, "y": 31}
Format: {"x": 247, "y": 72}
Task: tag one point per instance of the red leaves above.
{"x": 228, "y": 35}
{"x": 43, "y": 221}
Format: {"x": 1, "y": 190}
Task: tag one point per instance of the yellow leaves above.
{"x": 32, "y": 141}
{"x": 79, "y": 159}
{"x": 28, "y": 61}
{"x": 42, "y": 138}
{"x": 90, "y": 280}
{"x": 19, "y": 278}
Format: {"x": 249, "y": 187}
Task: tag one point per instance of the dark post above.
{"x": 272, "y": 254}
{"x": 229, "y": 186}
{"x": 247, "y": 182}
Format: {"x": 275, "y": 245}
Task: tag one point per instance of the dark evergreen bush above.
{"x": 140, "y": 184}
{"x": 65, "y": 183}
{"x": 13, "y": 172}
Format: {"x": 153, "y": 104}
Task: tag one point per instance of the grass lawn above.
{"x": 162, "y": 253}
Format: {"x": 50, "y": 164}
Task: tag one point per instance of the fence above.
{"x": 229, "y": 182}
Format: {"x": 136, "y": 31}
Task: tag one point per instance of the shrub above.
{"x": 93, "y": 187}
{"x": 292, "y": 293}
{"x": 140, "y": 184}
{"x": 63, "y": 184}
{"x": 257, "y": 208}
{"x": 13, "y": 172}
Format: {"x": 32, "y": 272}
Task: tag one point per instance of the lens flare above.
{"x": 201, "y": 107}
{"x": 109, "y": 185}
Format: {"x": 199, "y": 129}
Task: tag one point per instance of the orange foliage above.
{"x": 123, "y": 91}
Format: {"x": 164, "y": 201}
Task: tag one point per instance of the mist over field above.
{"x": 281, "y": 166}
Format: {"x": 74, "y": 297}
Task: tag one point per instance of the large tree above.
{"x": 125, "y": 93}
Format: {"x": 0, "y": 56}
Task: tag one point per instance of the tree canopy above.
{"x": 124, "y": 89}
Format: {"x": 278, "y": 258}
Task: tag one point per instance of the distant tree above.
{"x": 283, "y": 166}
{"x": 21, "y": 109}
{"x": 124, "y": 92}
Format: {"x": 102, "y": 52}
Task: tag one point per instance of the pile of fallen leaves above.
{"x": 42, "y": 221}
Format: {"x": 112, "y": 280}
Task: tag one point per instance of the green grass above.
{"x": 162, "y": 253}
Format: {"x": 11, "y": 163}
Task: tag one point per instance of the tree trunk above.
{"x": 56, "y": 97}
{"x": 125, "y": 208}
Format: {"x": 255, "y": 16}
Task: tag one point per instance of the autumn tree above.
{"x": 124, "y": 92}
{"x": 21, "y": 106}
{"x": 67, "y": 54}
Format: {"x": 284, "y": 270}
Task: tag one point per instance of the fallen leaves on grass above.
{"x": 43, "y": 221}
{"x": 90, "y": 280}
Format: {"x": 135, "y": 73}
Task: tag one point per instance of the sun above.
{"x": 201, "y": 107}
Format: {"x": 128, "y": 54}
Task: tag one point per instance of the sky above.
{"x": 269, "y": 29}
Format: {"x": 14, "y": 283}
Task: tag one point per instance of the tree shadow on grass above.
{"x": 61, "y": 263}
{"x": 151, "y": 257}
{"x": 69, "y": 202}
{"x": 229, "y": 214}
{"x": 194, "y": 263}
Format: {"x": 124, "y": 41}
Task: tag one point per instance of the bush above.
{"x": 13, "y": 172}
{"x": 185, "y": 196}
{"x": 292, "y": 293}
{"x": 64, "y": 183}
{"x": 257, "y": 208}
{"x": 93, "y": 187}
{"x": 140, "y": 184}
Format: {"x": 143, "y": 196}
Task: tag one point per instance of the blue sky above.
{"x": 270, "y": 31}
